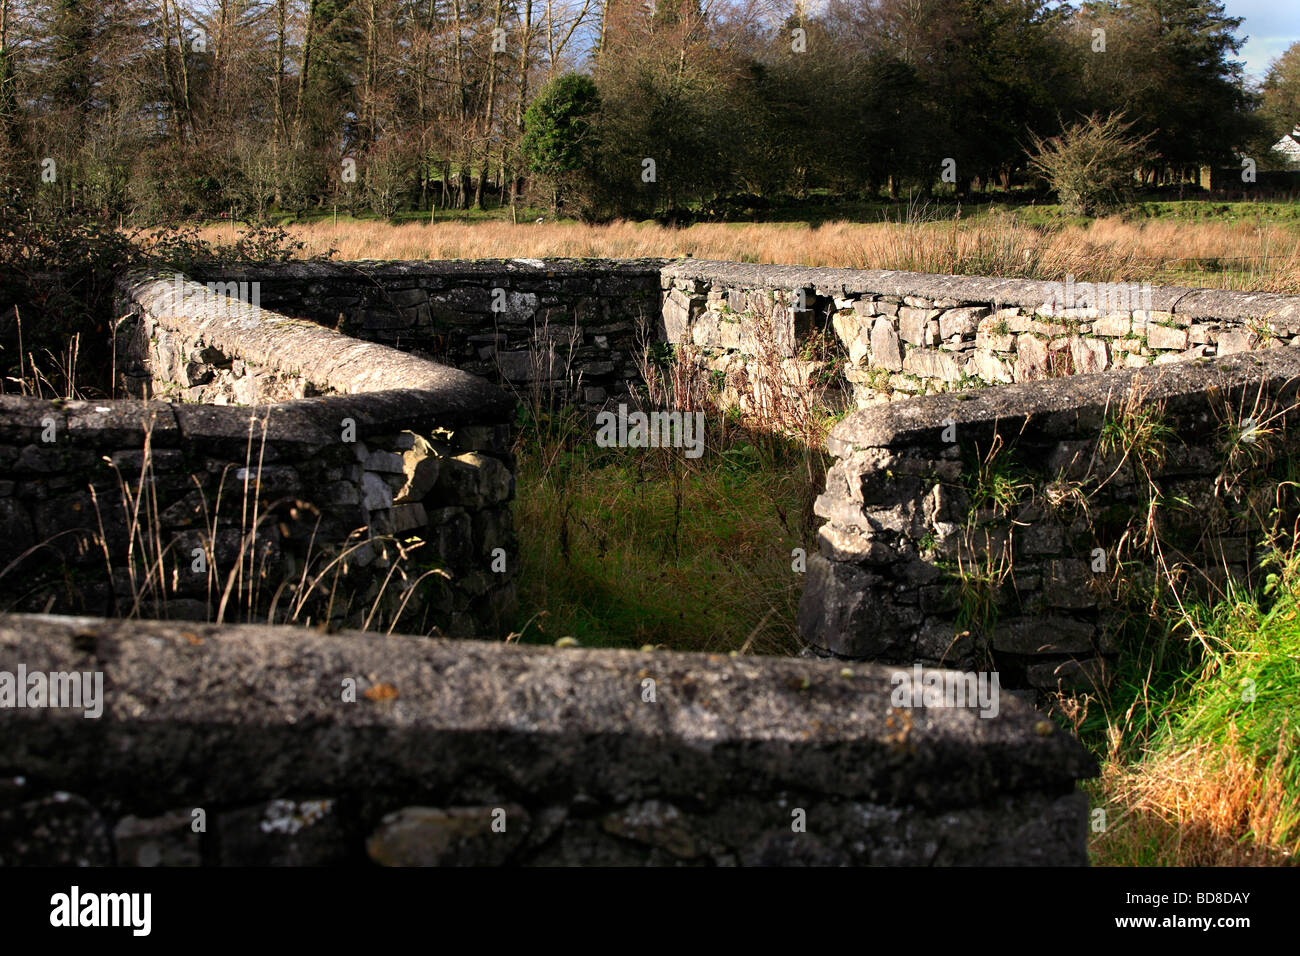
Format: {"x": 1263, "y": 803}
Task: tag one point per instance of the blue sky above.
{"x": 1271, "y": 25}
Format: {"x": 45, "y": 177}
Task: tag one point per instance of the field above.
{"x": 1253, "y": 247}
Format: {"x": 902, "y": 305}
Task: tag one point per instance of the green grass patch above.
{"x": 1199, "y": 733}
{"x": 629, "y": 547}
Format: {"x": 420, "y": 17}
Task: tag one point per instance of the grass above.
{"x": 1259, "y": 252}
{"x": 628, "y": 547}
{"x": 1199, "y": 748}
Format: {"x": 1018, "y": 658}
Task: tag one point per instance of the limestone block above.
{"x": 375, "y": 493}
{"x": 962, "y": 322}
{"x": 1031, "y": 358}
{"x": 476, "y": 481}
{"x": 913, "y": 324}
{"x": 1164, "y": 337}
{"x": 167, "y": 840}
{"x": 1236, "y": 341}
{"x": 886, "y": 349}
{"x": 928, "y": 363}
{"x": 993, "y": 334}
{"x": 706, "y": 331}
{"x": 1089, "y": 355}
{"x": 1115, "y": 324}
{"x": 989, "y": 368}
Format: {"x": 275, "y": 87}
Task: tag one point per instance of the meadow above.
{"x": 1253, "y": 247}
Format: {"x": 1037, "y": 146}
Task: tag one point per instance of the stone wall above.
{"x": 316, "y": 510}
{"x": 573, "y": 328}
{"x": 258, "y": 745}
{"x": 579, "y": 329}
{"x": 768, "y": 331}
{"x": 1005, "y": 528}
{"x": 890, "y": 335}
{"x": 383, "y": 497}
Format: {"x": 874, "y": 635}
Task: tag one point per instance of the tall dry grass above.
{"x": 1227, "y": 255}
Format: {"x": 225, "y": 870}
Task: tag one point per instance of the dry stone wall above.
{"x": 970, "y": 528}
{"x": 579, "y": 329}
{"x": 568, "y": 328}
{"x": 191, "y": 511}
{"x": 484, "y": 753}
{"x": 358, "y": 486}
{"x": 995, "y": 528}
{"x": 1003, "y": 528}
{"x": 890, "y": 335}
{"x": 878, "y": 335}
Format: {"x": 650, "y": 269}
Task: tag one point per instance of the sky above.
{"x": 1271, "y": 25}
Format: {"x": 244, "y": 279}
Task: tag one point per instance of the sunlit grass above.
{"x": 1251, "y": 255}
{"x": 1200, "y": 762}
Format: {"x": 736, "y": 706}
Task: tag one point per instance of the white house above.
{"x": 1289, "y": 147}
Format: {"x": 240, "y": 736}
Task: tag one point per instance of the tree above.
{"x": 558, "y": 136}
{"x": 1168, "y": 65}
{"x": 1281, "y": 92}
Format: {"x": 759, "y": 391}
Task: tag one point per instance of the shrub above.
{"x": 1090, "y": 166}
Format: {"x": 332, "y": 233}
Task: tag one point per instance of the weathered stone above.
{"x": 658, "y": 824}
{"x": 476, "y": 481}
{"x": 932, "y": 364}
{"x": 1028, "y": 324}
{"x": 167, "y": 840}
{"x": 1046, "y": 635}
{"x": 284, "y": 833}
{"x": 839, "y": 613}
{"x": 706, "y": 330}
{"x": 1115, "y": 325}
{"x": 914, "y": 325}
{"x": 1229, "y": 343}
{"x": 1088, "y": 674}
{"x": 990, "y": 368}
{"x": 1089, "y": 355}
{"x": 404, "y": 518}
{"x": 384, "y": 462}
{"x": 852, "y": 331}
{"x": 467, "y": 718}
{"x": 452, "y": 836}
{"x": 532, "y": 365}
{"x": 839, "y": 544}
{"x": 1164, "y": 337}
{"x": 678, "y": 309}
{"x": 886, "y": 350}
{"x": 992, "y": 334}
{"x": 1043, "y": 537}
{"x": 375, "y": 493}
{"x": 61, "y": 829}
{"x": 421, "y": 466}
{"x": 1031, "y": 359}
{"x": 960, "y": 322}
{"x": 1069, "y": 584}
